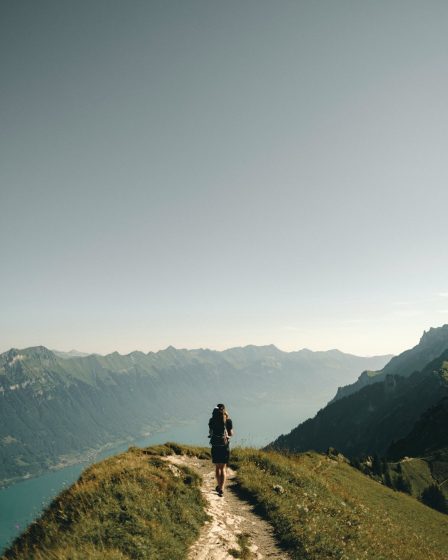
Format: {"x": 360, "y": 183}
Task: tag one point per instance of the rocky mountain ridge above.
{"x": 431, "y": 344}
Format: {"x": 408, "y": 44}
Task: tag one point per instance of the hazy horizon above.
{"x": 214, "y": 175}
{"x": 189, "y": 349}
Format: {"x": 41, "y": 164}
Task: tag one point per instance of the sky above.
{"x": 215, "y": 174}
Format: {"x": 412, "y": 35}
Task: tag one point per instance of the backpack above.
{"x": 219, "y": 440}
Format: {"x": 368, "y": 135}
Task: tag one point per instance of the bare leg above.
{"x": 223, "y": 476}
{"x": 218, "y": 475}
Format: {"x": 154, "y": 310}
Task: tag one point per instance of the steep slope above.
{"x": 428, "y": 436}
{"x": 53, "y": 408}
{"x": 422, "y": 455}
{"x": 431, "y": 345}
{"x": 134, "y": 506}
{"x": 368, "y": 421}
{"x": 130, "y": 506}
{"x": 323, "y": 508}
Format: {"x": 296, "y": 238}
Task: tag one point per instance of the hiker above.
{"x": 220, "y": 429}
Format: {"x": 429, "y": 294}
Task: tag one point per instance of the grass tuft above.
{"x": 244, "y": 551}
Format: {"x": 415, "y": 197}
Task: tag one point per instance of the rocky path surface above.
{"x": 230, "y": 518}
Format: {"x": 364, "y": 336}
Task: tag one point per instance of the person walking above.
{"x": 220, "y": 430}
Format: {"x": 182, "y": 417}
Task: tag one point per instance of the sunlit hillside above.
{"x": 135, "y": 506}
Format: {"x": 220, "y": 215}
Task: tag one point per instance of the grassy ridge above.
{"x": 322, "y": 508}
{"x": 132, "y": 506}
{"x": 135, "y": 506}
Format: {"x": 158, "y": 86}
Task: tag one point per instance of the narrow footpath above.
{"x": 232, "y": 521}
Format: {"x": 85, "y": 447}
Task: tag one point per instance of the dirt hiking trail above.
{"x": 230, "y": 518}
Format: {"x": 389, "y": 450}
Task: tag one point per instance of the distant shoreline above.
{"x": 88, "y": 456}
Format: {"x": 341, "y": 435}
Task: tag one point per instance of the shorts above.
{"x": 220, "y": 454}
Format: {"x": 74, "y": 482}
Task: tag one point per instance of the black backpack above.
{"x": 219, "y": 439}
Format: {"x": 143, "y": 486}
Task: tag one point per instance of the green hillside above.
{"x": 403, "y": 417}
{"x": 422, "y": 456}
{"x": 420, "y": 473}
{"x": 132, "y": 506}
{"x": 414, "y": 475}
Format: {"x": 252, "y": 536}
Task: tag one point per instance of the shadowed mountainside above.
{"x": 371, "y": 419}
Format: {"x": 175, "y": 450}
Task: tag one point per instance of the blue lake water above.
{"x": 255, "y": 426}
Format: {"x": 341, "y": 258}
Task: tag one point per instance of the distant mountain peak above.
{"x": 41, "y": 351}
{"x": 432, "y": 344}
{"x": 434, "y": 334}
{"x": 169, "y": 349}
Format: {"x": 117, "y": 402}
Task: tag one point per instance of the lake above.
{"x": 255, "y": 426}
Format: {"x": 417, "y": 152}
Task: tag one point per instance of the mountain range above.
{"x": 55, "y": 406}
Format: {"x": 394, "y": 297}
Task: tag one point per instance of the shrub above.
{"x": 433, "y": 497}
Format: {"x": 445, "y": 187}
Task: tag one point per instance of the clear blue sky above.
{"x": 213, "y": 174}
